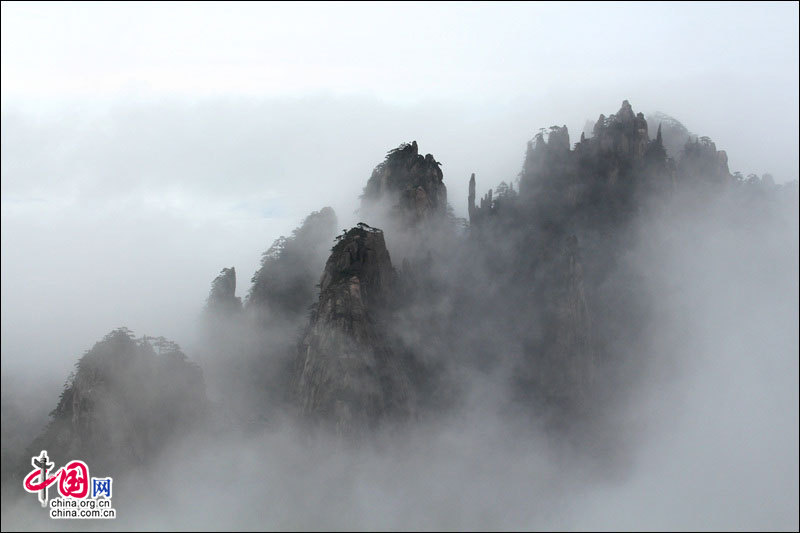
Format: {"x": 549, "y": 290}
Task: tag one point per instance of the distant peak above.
{"x": 625, "y": 112}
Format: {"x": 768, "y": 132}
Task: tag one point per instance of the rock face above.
{"x": 601, "y": 176}
{"x": 622, "y": 133}
{"x": 409, "y": 185}
{"x": 222, "y": 299}
{"x": 490, "y": 203}
{"x": 566, "y": 241}
{"x": 471, "y": 197}
{"x": 573, "y": 335}
{"x": 701, "y": 161}
{"x": 563, "y": 372}
{"x": 349, "y": 377}
{"x": 586, "y": 194}
{"x": 127, "y": 398}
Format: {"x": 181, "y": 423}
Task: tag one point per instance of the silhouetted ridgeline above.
{"x": 126, "y": 399}
{"x": 533, "y": 299}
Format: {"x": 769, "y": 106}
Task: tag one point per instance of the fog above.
{"x": 133, "y": 174}
{"x": 180, "y": 190}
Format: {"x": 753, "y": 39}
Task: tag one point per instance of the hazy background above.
{"x": 146, "y": 146}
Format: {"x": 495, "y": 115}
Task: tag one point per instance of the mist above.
{"x": 122, "y": 200}
{"x": 195, "y": 187}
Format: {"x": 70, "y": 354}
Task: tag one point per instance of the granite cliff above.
{"x": 407, "y": 185}
{"x": 348, "y": 374}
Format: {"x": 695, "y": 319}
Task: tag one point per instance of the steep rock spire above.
{"x": 222, "y": 299}
{"x": 407, "y": 185}
{"x": 348, "y": 376}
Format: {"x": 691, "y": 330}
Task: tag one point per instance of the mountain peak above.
{"x": 405, "y": 186}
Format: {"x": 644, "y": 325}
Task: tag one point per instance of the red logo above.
{"x": 73, "y": 479}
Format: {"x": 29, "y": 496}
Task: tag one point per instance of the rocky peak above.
{"x": 599, "y": 125}
{"x": 701, "y": 160}
{"x": 471, "y": 197}
{"x": 558, "y": 140}
{"x": 222, "y": 298}
{"x": 348, "y": 376}
{"x": 409, "y": 185}
{"x": 625, "y": 113}
{"x": 623, "y": 133}
{"x": 489, "y": 203}
{"x": 360, "y": 254}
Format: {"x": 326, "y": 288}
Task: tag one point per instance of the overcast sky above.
{"x": 146, "y": 146}
{"x": 400, "y": 52}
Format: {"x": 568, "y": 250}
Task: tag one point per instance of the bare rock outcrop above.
{"x": 349, "y": 378}
{"x": 701, "y": 161}
{"x": 569, "y": 367}
{"x": 222, "y": 299}
{"x": 407, "y": 185}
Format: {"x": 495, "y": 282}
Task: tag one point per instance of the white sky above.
{"x": 147, "y": 145}
{"x": 398, "y": 52}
